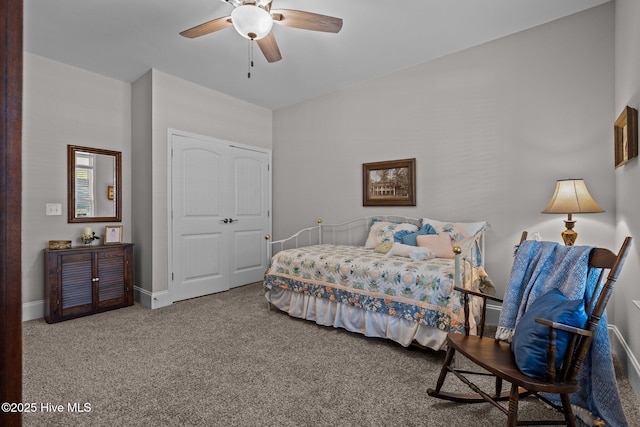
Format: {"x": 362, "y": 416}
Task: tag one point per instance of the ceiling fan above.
{"x": 253, "y": 19}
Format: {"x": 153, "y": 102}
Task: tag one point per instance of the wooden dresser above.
{"x": 87, "y": 280}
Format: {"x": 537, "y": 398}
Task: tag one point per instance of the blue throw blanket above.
{"x": 539, "y": 267}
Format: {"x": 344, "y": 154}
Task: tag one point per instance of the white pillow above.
{"x": 400, "y": 249}
{"x": 381, "y": 231}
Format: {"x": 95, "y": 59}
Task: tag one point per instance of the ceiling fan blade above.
{"x": 307, "y": 20}
{"x": 270, "y": 48}
{"x": 207, "y": 28}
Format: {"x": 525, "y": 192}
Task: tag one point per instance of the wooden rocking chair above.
{"x": 497, "y": 358}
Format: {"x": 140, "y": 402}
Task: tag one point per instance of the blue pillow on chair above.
{"x": 529, "y": 342}
{"x": 409, "y": 237}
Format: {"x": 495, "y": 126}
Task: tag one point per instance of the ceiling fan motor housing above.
{"x": 251, "y": 21}
{"x": 236, "y": 3}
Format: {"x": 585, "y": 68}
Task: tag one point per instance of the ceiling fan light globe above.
{"x": 251, "y": 22}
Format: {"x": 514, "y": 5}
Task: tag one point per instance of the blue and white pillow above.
{"x": 381, "y": 231}
{"x": 529, "y": 341}
{"x": 407, "y": 237}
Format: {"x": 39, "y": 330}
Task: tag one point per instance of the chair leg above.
{"x": 445, "y": 368}
{"x": 567, "y": 411}
{"x": 514, "y": 398}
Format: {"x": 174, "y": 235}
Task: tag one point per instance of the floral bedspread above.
{"x": 420, "y": 291}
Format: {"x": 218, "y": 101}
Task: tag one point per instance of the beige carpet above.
{"x": 225, "y": 360}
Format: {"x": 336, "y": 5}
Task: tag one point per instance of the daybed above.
{"x": 381, "y": 276}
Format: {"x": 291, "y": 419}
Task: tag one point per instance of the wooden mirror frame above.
{"x": 71, "y": 184}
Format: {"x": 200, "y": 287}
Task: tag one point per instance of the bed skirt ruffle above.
{"x": 369, "y": 323}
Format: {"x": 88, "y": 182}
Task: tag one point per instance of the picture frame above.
{"x": 389, "y": 183}
{"x": 112, "y": 234}
{"x": 625, "y": 136}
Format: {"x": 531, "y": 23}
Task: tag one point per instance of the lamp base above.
{"x": 569, "y": 236}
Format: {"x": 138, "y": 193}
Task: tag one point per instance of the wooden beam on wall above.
{"x": 11, "y": 23}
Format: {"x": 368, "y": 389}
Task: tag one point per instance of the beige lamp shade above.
{"x": 571, "y": 196}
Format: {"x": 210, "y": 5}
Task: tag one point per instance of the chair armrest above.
{"x": 563, "y": 327}
{"x": 483, "y": 314}
{"x": 551, "y": 346}
{"x": 477, "y": 294}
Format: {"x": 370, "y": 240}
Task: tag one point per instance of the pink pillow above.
{"x": 439, "y": 244}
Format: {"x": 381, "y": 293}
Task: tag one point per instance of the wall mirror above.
{"x": 94, "y": 182}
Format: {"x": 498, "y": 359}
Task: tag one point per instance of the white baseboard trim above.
{"x": 493, "y": 314}
{"x": 32, "y": 310}
{"x": 151, "y": 299}
{"x": 626, "y": 357}
{"x": 35, "y": 309}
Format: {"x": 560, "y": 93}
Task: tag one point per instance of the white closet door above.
{"x": 220, "y": 198}
{"x": 199, "y": 193}
{"x": 250, "y": 214}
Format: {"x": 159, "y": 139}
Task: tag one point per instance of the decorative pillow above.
{"x": 409, "y": 238}
{"x": 400, "y": 249}
{"x": 384, "y": 247}
{"x": 461, "y": 233}
{"x": 381, "y": 231}
{"x": 439, "y": 244}
{"x": 408, "y": 251}
{"x": 529, "y": 342}
{"x": 421, "y": 254}
{"x": 458, "y": 230}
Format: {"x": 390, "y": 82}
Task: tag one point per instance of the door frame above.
{"x": 11, "y": 54}
{"x": 171, "y": 132}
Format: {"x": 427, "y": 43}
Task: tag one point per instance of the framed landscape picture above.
{"x": 389, "y": 183}
{"x": 626, "y": 136}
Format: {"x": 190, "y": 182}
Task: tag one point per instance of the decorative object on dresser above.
{"x": 112, "y": 234}
{"x": 390, "y": 183}
{"x": 571, "y": 196}
{"x": 59, "y": 244}
{"x": 625, "y": 136}
{"x": 88, "y": 236}
{"x": 87, "y": 280}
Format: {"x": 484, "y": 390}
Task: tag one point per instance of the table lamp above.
{"x": 571, "y": 196}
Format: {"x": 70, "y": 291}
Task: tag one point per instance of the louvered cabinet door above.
{"x": 87, "y": 280}
{"x": 112, "y": 274}
{"x": 75, "y": 286}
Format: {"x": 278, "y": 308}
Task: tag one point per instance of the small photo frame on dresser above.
{"x": 112, "y": 234}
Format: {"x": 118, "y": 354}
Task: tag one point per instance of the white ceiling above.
{"x": 123, "y": 39}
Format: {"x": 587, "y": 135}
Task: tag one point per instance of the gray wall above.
{"x": 492, "y": 128}
{"x": 626, "y": 310}
{"x": 64, "y": 105}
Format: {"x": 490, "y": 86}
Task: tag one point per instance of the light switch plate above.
{"x": 54, "y": 209}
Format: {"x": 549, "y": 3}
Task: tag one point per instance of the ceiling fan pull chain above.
{"x": 250, "y": 63}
